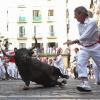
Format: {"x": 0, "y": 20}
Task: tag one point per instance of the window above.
{"x": 52, "y": 44}
{"x": 36, "y": 16}
{"x": 7, "y": 26}
{"x": 36, "y": 13}
{"x": 34, "y": 29}
{"x": 22, "y": 45}
{"x": 67, "y": 13}
{"x": 66, "y": 1}
{"x": 21, "y": 31}
{"x": 22, "y": 16}
{"x": 50, "y": 12}
{"x": 37, "y": 29}
{"x": 50, "y": 15}
{"x": 51, "y": 29}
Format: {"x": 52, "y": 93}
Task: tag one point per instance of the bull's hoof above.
{"x": 26, "y": 87}
{"x": 66, "y": 76}
{"x": 64, "y": 81}
{"x": 61, "y": 84}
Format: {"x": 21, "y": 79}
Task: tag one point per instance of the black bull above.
{"x": 32, "y": 69}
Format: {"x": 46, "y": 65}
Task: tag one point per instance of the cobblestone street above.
{"x": 12, "y": 90}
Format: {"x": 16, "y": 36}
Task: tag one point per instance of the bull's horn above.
{"x": 8, "y": 55}
{"x": 35, "y": 43}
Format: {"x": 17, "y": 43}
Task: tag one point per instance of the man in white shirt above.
{"x": 89, "y": 46}
{"x": 59, "y": 63}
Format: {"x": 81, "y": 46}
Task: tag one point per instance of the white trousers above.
{"x": 96, "y": 71}
{"x": 2, "y": 71}
{"x": 84, "y": 55}
{"x": 12, "y": 70}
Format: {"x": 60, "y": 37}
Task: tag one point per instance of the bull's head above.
{"x": 15, "y": 49}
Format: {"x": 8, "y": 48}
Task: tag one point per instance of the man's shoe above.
{"x": 84, "y": 87}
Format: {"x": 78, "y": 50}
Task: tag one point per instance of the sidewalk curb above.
{"x": 49, "y": 97}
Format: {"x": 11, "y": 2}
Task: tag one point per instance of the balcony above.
{"x": 50, "y": 19}
{"x": 37, "y": 19}
{"x": 51, "y": 36}
{"x": 22, "y": 37}
{"x": 22, "y": 20}
{"x": 38, "y": 36}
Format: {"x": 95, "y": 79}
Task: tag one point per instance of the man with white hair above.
{"x": 89, "y": 46}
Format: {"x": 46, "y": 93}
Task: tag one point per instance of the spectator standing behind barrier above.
{"x": 96, "y": 71}
{"x": 12, "y": 69}
{"x": 58, "y": 62}
{"x": 75, "y": 59}
{"x": 89, "y": 46}
{"x": 2, "y": 69}
{"x": 90, "y": 70}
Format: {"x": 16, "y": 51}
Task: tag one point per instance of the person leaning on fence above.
{"x": 89, "y": 46}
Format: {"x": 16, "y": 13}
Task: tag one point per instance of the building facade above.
{"x": 45, "y": 18}
{"x": 51, "y": 20}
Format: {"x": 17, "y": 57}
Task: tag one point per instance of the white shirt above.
{"x": 88, "y": 32}
{"x": 75, "y": 59}
{"x": 59, "y": 63}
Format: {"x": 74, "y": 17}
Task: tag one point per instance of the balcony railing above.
{"x": 50, "y": 19}
{"x": 22, "y": 20}
{"x": 37, "y": 19}
{"x": 22, "y": 37}
{"x": 51, "y": 36}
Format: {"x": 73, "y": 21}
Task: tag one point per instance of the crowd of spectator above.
{"x": 8, "y": 69}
